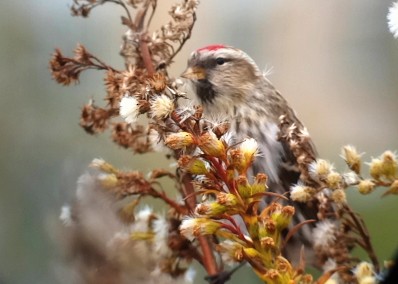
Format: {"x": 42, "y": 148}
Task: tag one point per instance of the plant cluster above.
{"x": 221, "y": 216}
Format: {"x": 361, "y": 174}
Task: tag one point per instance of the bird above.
{"x": 228, "y": 83}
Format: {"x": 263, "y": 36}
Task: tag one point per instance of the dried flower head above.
{"x": 320, "y": 169}
{"x": 366, "y": 186}
{"x": 161, "y": 107}
{"x": 352, "y": 158}
{"x": 301, "y": 193}
{"x": 324, "y": 234}
{"x": 339, "y": 196}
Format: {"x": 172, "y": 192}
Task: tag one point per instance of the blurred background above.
{"x": 334, "y": 61}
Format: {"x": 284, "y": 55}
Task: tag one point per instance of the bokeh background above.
{"x": 335, "y": 62}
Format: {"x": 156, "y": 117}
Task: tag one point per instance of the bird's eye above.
{"x": 220, "y": 60}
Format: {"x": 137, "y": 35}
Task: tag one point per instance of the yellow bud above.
{"x": 270, "y": 226}
{"x": 366, "y": 186}
{"x": 251, "y": 253}
{"x": 260, "y": 184}
{"x": 273, "y": 276}
{"x": 237, "y": 160}
{"x": 193, "y": 165}
{"x": 244, "y": 188}
{"x": 211, "y": 145}
{"x": 283, "y": 265}
{"x": 210, "y": 209}
{"x": 267, "y": 243}
{"x": 179, "y": 140}
{"x": 227, "y": 199}
{"x": 194, "y": 227}
{"x": 283, "y": 217}
{"x": 352, "y": 158}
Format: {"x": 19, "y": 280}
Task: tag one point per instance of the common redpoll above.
{"x": 228, "y": 83}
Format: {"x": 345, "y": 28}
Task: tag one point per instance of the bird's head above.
{"x": 222, "y": 76}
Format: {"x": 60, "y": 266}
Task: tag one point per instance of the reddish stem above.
{"x": 209, "y": 260}
{"x": 146, "y": 55}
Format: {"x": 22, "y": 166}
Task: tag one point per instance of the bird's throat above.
{"x": 205, "y": 91}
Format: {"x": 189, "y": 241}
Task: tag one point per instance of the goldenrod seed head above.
{"x": 389, "y": 164}
{"x": 366, "y": 186}
{"x": 161, "y": 107}
{"x": 333, "y": 180}
{"x": 376, "y": 168}
{"x": 179, "y": 140}
{"x": 211, "y": 145}
{"x": 352, "y": 158}
{"x": 301, "y": 193}
{"x": 320, "y": 169}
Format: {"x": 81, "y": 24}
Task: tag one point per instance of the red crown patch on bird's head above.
{"x": 212, "y": 47}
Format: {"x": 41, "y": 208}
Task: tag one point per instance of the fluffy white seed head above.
{"x": 129, "y": 109}
{"x": 161, "y": 107}
{"x": 324, "y": 234}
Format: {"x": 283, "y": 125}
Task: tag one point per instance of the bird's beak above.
{"x": 194, "y": 73}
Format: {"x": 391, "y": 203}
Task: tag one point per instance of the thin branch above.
{"x": 367, "y": 245}
{"x": 182, "y": 43}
